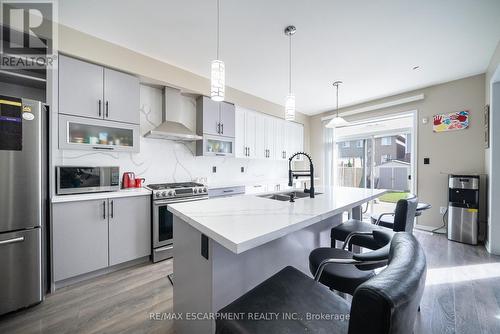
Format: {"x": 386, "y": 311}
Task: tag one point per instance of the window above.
{"x": 346, "y": 144}
{"x": 385, "y": 158}
{"x": 386, "y": 141}
{"x": 359, "y": 144}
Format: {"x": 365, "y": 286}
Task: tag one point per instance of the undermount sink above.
{"x": 286, "y": 196}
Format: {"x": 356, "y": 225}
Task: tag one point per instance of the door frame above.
{"x": 414, "y": 145}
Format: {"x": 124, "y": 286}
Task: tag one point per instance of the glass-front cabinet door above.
{"x": 89, "y": 134}
{"x": 215, "y": 146}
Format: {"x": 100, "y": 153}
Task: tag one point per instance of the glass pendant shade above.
{"x": 290, "y": 107}
{"x": 336, "y": 122}
{"x": 218, "y": 80}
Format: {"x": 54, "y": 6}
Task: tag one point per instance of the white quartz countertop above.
{"x": 109, "y": 194}
{"x": 241, "y": 223}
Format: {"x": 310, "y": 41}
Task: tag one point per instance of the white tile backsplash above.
{"x": 167, "y": 161}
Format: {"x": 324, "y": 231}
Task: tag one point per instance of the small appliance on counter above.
{"x": 128, "y": 180}
{"x": 463, "y": 208}
{"x": 163, "y": 220}
{"x": 81, "y": 179}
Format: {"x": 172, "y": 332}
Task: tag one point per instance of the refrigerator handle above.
{"x": 103, "y": 209}
{"x": 11, "y": 241}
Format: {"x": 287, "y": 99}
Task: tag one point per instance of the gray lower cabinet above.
{"x": 129, "y": 228}
{"x": 95, "y": 234}
{"x": 79, "y": 238}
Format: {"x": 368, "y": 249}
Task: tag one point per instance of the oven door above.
{"x": 163, "y": 221}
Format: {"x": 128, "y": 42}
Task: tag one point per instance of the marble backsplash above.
{"x": 167, "y": 161}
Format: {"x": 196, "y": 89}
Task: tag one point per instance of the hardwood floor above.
{"x": 119, "y": 302}
{"x": 462, "y": 295}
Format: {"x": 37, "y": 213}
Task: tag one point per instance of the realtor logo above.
{"x": 27, "y": 34}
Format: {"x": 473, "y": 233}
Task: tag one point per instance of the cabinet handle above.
{"x": 103, "y": 148}
{"x": 249, "y": 151}
{"x": 107, "y": 109}
{"x": 112, "y": 209}
{"x": 218, "y": 128}
{"x": 222, "y": 127}
{"x": 104, "y": 210}
{"x": 100, "y": 108}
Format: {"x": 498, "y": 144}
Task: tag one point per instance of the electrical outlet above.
{"x": 243, "y": 169}
{"x": 442, "y": 210}
{"x": 214, "y": 169}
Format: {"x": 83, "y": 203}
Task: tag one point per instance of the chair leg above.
{"x": 418, "y": 308}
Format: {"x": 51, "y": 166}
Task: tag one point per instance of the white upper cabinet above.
{"x": 246, "y": 133}
{"x": 295, "y": 139}
{"x": 261, "y": 136}
{"x": 92, "y": 91}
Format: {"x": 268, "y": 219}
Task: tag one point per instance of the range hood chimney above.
{"x": 170, "y": 129}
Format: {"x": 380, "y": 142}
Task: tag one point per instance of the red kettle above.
{"x": 128, "y": 180}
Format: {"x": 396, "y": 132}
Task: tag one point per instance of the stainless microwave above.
{"x": 79, "y": 180}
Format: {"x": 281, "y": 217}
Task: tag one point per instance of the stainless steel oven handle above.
{"x": 11, "y": 241}
{"x": 158, "y": 203}
{"x": 161, "y": 249}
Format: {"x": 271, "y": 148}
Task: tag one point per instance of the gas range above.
{"x": 163, "y": 220}
{"x": 162, "y": 191}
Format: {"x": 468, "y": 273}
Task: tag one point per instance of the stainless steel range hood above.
{"x": 170, "y": 128}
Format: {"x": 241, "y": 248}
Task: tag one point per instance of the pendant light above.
{"x": 337, "y": 121}
{"x": 217, "y": 69}
{"x": 290, "y": 98}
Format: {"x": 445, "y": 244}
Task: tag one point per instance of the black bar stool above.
{"x": 404, "y": 219}
{"x": 387, "y": 219}
{"x": 386, "y": 303}
{"x": 346, "y": 278}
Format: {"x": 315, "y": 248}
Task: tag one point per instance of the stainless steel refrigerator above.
{"x": 23, "y": 201}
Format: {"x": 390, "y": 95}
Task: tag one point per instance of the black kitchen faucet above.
{"x": 297, "y": 173}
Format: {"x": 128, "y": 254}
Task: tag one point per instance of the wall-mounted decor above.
{"x": 449, "y": 122}
{"x": 487, "y": 126}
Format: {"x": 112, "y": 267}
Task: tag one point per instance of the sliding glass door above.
{"x": 377, "y": 154}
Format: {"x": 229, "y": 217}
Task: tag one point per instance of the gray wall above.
{"x": 450, "y": 152}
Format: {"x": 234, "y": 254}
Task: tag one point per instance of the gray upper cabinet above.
{"x": 129, "y": 228}
{"x": 81, "y": 88}
{"x": 79, "y": 238}
{"x": 208, "y": 116}
{"x": 93, "y": 91}
{"x": 227, "y": 119}
{"x": 215, "y": 118}
{"x": 121, "y": 97}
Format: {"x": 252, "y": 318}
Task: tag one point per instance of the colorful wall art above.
{"x": 449, "y": 122}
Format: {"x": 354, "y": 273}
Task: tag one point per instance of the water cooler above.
{"x": 463, "y": 208}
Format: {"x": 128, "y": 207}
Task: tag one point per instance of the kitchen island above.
{"x": 226, "y": 246}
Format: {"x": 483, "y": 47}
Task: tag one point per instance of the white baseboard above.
{"x": 430, "y": 228}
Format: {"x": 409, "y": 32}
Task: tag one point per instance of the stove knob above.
{"x": 158, "y": 195}
{"x": 204, "y": 190}
{"x": 164, "y": 194}
{"x": 195, "y": 190}
{"x": 171, "y": 193}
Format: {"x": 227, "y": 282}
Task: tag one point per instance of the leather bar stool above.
{"x": 346, "y": 278}
{"x": 404, "y": 219}
{"x": 386, "y": 303}
{"x": 387, "y": 219}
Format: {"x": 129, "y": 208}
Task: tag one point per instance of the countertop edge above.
{"x": 100, "y": 195}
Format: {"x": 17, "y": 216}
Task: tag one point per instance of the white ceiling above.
{"x": 370, "y": 45}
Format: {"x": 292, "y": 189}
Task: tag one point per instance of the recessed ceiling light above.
{"x": 415, "y": 67}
